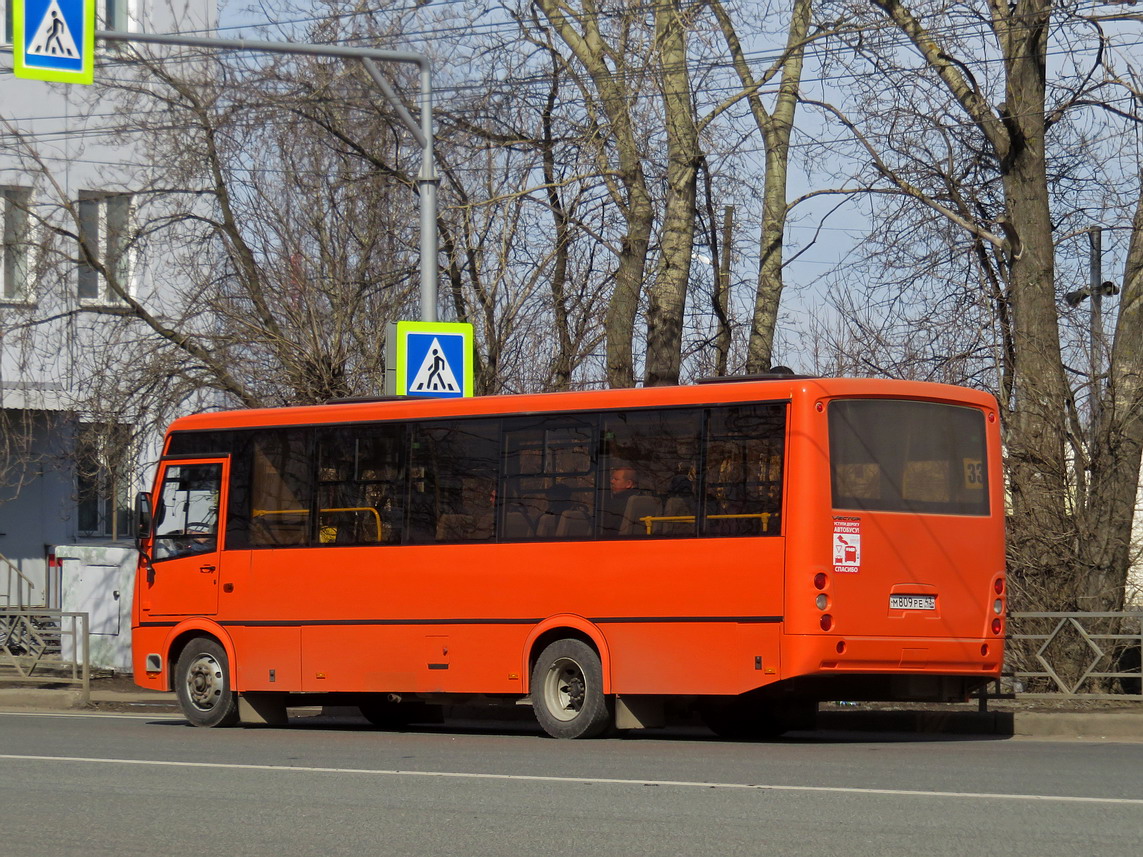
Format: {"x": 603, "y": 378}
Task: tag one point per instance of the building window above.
{"x": 7, "y": 40}
{"x": 115, "y": 14}
{"x": 104, "y": 236}
{"x": 102, "y": 483}
{"x": 14, "y": 250}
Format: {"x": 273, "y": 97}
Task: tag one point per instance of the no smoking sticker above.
{"x": 846, "y": 545}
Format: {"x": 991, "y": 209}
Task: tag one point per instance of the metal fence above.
{"x": 1070, "y": 655}
{"x": 45, "y": 646}
{"x": 18, "y": 587}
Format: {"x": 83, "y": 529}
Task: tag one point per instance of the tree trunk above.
{"x": 1105, "y": 525}
{"x": 1041, "y": 533}
{"x": 668, "y": 293}
{"x": 615, "y": 100}
{"x": 775, "y": 127}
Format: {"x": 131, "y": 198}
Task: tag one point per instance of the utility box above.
{"x": 98, "y": 580}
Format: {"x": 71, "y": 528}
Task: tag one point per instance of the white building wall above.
{"x": 55, "y": 129}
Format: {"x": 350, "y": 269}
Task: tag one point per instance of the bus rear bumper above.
{"x": 884, "y": 668}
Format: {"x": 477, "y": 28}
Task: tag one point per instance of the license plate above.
{"x": 912, "y": 602}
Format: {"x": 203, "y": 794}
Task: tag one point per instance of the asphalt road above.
{"x": 84, "y": 784}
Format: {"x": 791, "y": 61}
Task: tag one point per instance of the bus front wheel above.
{"x": 567, "y": 691}
{"x": 202, "y": 684}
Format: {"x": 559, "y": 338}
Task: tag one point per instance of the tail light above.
{"x": 821, "y": 581}
{"x": 998, "y": 604}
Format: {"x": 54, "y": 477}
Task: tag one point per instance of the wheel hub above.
{"x": 204, "y": 682}
{"x": 565, "y": 689}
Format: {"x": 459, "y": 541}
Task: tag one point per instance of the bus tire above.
{"x": 567, "y": 691}
{"x": 202, "y": 684}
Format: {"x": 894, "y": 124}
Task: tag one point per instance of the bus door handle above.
{"x": 207, "y": 569}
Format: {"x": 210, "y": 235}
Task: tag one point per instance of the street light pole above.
{"x": 1095, "y": 292}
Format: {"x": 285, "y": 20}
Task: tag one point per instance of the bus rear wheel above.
{"x": 202, "y": 684}
{"x": 567, "y": 691}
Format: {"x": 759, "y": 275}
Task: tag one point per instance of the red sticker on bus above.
{"x": 846, "y": 545}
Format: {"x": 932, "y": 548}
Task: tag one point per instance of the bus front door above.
{"x": 186, "y": 559}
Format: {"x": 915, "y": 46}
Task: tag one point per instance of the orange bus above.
{"x": 740, "y": 550}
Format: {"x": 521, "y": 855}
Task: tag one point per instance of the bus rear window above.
{"x": 901, "y": 456}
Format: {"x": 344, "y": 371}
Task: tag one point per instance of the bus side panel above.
{"x": 679, "y": 616}
{"x": 267, "y": 658}
{"x": 694, "y": 658}
{"x": 144, "y": 641}
{"x": 413, "y": 658}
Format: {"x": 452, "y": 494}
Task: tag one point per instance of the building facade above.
{"x": 69, "y": 467}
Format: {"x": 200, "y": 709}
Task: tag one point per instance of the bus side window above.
{"x": 651, "y": 460}
{"x": 281, "y": 489}
{"x": 549, "y": 478}
{"x": 360, "y": 484}
{"x": 454, "y": 469}
{"x": 744, "y": 463}
{"x": 186, "y": 520}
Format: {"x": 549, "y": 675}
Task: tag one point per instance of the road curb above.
{"x": 71, "y": 699}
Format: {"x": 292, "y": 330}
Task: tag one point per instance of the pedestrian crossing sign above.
{"x": 54, "y": 40}
{"x": 434, "y": 359}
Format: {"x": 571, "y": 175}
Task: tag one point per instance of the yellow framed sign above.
{"x": 434, "y": 359}
{"x": 54, "y": 40}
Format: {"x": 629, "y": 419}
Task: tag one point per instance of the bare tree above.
{"x": 775, "y": 126}
{"x": 614, "y": 63}
{"x": 995, "y": 152}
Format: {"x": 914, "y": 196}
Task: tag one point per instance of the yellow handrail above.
{"x": 649, "y": 521}
{"x": 260, "y": 513}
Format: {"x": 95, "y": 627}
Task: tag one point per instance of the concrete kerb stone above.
{"x": 71, "y": 699}
{"x": 1108, "y": 726}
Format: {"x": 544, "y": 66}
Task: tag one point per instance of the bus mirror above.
{"x": 142, "y": 515}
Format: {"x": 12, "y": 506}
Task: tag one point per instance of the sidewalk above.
{"x": 1075, "y": 719}
{"x": 117, "y": 695}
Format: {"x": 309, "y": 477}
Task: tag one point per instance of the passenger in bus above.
{"x": 624, "y": 484}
